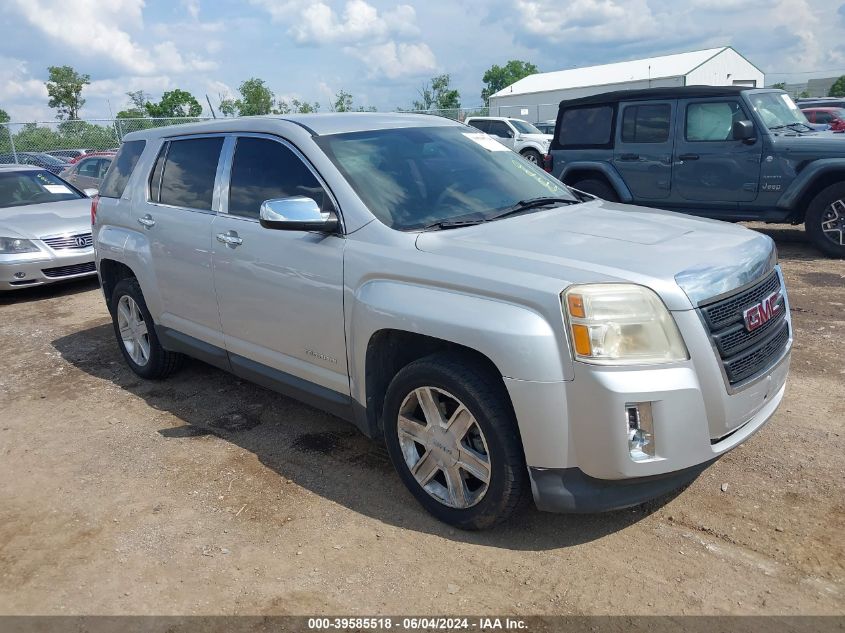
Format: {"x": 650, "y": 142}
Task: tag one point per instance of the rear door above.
{"x": 709, "y": 166}
{"x": 280, "y": 293}
{"x": 176, "y": 219}
{"x": 643, "y": 148}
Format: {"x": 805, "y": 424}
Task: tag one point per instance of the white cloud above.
{"x": 394, "y": 60}
{"x": 192, "y": 7}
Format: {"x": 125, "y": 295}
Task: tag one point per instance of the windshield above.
{"x": 49, "y": 160}
{"x": 413, "y": 177}
{"x": 777, "y": 109}
{"x": 20, "y": 188}
{"x": 523, "y": 127}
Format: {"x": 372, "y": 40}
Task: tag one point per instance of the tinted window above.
{"x": 712, "y": 121}
{"x": 90, "y": 168}
{"x": 523, "y": 127}
{"x": 823, "y": 117}
{"x": 500, "y": 129}
{"x": 189, "y": 171}
{"x": 646, "y": 123}
{"x": 586, "y": 126}
{"x": 121, "y": 168}
{"x": 412, "y": 177}
{"x": 480, "y": 124}
{"x": 33, "y": 186}
{"x": 265, "y": 170}
{"x": 155, "y": 176}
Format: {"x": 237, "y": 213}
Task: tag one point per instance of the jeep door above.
{"x": 709, "y": 165}
{"x": 643, "y": 148}
{"x": 176, "y": 219}
{"x": 280, "y": 292}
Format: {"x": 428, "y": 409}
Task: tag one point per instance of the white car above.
{"x": 516, "y": 134}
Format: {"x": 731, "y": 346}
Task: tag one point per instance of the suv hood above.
{"x": 684, "y": 259}
{"x": 821, "y": 144}
{"x": 34, "y": 221}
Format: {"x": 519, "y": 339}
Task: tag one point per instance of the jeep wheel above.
{"x": 136, "y": 335}
{"x": 451, "y": 435}
{"x": 825, "y": 221}
{"x": 532, "y": 156}
{"x": 598, "y": 188}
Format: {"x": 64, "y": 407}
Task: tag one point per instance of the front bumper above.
{"x": 37, "y": 269}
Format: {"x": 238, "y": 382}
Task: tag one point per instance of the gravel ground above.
{"x": 207, "y": 495}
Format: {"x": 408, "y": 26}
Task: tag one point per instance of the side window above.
{"x": 89, "y": 168}
{"x": 105, "y": 163}
{"x": 586, "y": 127}
{"x": 646, "y": 123}
{"x": 500, "y": 129}
{"x": 121, "y": 168}
{"x": 263, "y": 169}
{"x": 823, "y": 117}
{"x": 480, "y": 124}
{"x": 712, "y": 121}
{"x": 187, "y": 176}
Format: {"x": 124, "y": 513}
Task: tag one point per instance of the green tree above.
{"x": 437, "y": 94}
{"x": 497, "y": 77}
{"x": 65, "y": 91}
{"x": 804, "y": 94}
{"x": 296, "y": 107}
{"x": 342, "y": 102}
{"x": 781, "y": 85}
{"x": 137, "y": 109}
{"x": 4, "y": 116}
{"x": 838, "y": 88}
{"x": 256, "y": 98}
{"x": 174, "y": 103}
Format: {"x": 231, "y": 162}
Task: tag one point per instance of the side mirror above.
{"x": 743, "y": 131}
{"x": 90, "y": 192}
{"x": 297, "y": 213}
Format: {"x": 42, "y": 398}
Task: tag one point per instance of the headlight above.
{"x": 621, "y": 324}
{"x": 16, "y": 245}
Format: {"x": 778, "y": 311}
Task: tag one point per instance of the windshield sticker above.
{"x": 542, "y": 179}
{"x": 789, "y": 102}
{"x": 486, "y": 142}
{"x": 57, "y": 189}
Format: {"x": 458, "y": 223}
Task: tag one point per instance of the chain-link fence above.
{"x": 19, "y": 141}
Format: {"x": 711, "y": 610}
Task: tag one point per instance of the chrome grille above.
{"x": 67, "y": 271}
{"x": 61, "y": 242}
{"x": 746, "y": 354}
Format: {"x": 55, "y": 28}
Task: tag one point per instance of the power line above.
{"x": 808, "y": 72}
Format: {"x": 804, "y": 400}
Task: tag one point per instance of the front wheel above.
{"x": 533, "y": 156}
{"x": 825, "y": 221}
{"x": 451, "y": 435}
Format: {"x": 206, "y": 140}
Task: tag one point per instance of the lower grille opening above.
{"x": 67, "y": 271}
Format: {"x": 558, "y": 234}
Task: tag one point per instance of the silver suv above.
{"x": 516, "y": 134}
{"x": 503, "y": 334}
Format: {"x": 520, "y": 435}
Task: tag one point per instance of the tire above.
{"x": 825, "y": 221}
{"x": 491, "y": 437}
{"x": 596, "y": 187}
{"x": 533, "y": 156}
{"x": 129, "y": 311}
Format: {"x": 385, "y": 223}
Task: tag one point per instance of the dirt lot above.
{"x": 207, "y": 495}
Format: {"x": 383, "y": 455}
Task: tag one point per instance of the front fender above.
{"x": 608, "y": 171}
{"x": 804, "y": 180}
{"x": 520, "y": 342}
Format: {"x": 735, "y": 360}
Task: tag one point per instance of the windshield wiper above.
{"x": 531, "y": 203}
{"x": 454, "y": 223}
{"x": 789, "y": 125}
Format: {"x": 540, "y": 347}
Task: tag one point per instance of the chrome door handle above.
{"x": 231, "y": 238}
{"x": 147, "y": 221}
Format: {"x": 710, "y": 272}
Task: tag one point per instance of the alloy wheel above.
{"x": 133, "y": 330}
{"x": 444, "y": 447}
{"x": 833, "y": 222}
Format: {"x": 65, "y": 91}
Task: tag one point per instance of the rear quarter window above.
{"x": 121, "y": 169}
{"x": 590, "y": 126}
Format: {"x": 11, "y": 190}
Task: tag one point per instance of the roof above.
{"x": 649, "y": 94}
{"x": 620, "y": 72}
{"x": 315, "y": 124}
{"x": 821, "y": 108}
{"x": 18, "y": 167}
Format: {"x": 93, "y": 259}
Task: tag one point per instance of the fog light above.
{"x": 20, "y": 275}
{"x": 640, "y": 429}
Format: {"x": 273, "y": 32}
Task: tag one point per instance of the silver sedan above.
{"x": 45, "y": 229}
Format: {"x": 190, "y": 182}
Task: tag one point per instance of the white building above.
{"x": 536, "y": 97}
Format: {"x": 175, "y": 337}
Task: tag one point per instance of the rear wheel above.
{"x": 825, "y": 221}
{"x": 596, "y": 187}
{"x": 136, "y": 335}
{"x": 533, "y": 156}
{"x": 451, "y": 435}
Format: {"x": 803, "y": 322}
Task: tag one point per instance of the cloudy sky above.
{"x": 380, "y": 51}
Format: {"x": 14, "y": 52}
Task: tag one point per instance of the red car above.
{"x": 834, "y": 117}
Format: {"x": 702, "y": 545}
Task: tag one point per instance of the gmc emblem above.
{"x": 762, "y": 312}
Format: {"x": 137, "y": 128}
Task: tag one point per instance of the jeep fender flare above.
{"x": 805, "y": 180}
{"x": 605, "y": 169}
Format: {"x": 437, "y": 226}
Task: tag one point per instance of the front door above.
{"x": 502, "y": 132}
{"x": 709, "y": 165}
{"x": 643, "y": 148}
{"x": 176, "y": 220}
{"x": 280, "y": 293}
